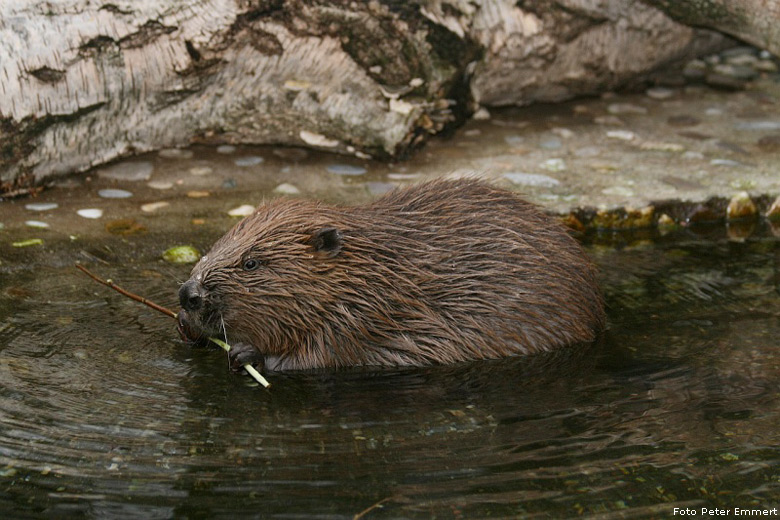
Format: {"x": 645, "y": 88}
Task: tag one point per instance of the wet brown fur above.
{"x": 437, "y": 273}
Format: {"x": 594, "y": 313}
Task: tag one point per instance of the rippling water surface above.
{"x": 105, "y": 414}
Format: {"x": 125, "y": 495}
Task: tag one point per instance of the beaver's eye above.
{"x": 250, "y": 264}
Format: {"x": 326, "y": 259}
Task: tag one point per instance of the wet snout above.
{"x": 191, "y": 296}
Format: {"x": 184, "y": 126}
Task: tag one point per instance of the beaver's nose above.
{"x": 191, "y": 295}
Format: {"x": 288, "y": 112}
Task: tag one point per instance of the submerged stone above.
{"x": 531, "y": 179}
{"x": 128, "y": 171}
{"x": 41, "y": 206}
{"x": 160, "y": 185}
{"x": 741, "y": 206}
{"x": 154, "y": 206}
{"x": 201, "y": 170}
{"x": 250, "y": 160}
{"x": 226, "y": 149}
{"x": 242, "y": 211}
{"x": 175, "y": 153}
{"x": 112, "y": 193}
{"x": 91, "y": 213}
{"x": 181, "y": 255}
{"x": 554, "y": 165}
{"x": 37, "y": 224}
{"x": 287, "y": 189}
{"x": 346, "y": 169}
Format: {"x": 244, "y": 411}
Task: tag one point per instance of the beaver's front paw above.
{"x": 241, "y": 354}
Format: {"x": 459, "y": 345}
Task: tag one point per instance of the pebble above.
{"x": 713, "y": 111}
{"x": 250, "y": 160}
{"x": 128, "y": 171}
{"x": 482, "y": 114}
{"x": 346, "y": 169}
{"x": 618, "y": 190}
{"x": 181, "y": 255}
{"x": 154, "y": 206}
{"x": 563, "y": 133}
{"x": 112, "y": 193}
{"x": 226, "y": 149}
{"x": 623, "y": 135}
{"x": 242, "y": 211}
{"x": 160, "y": 185}
{"x": 41, "y": 206}
{"x": 195, "y": 194}
{"x": 291, "y": 154}
{"x": 379, "y": 188}
{"x": 764, "y": 125}
{"x": 551, "y": 144}
{"x": 201, "y": 170}
{"x": 659, "y": 93}
{"x": 587, "y": 151}
{"x": 37, "y": 224}
{"x": 287, "y": 189}
{"x": 531, "y": 179}
{"x": 740, "y": 206}
{"x": 626, "y": 108}
{"x": 92, "y": 213}
{"x": 175, "y": 153}
{"x": 725, "y": 162}
{"x": 553, "y": 165}
{"x": 693, "y": 155}
{"x": 514, "y": 140}
{"x": 229, "y": 184}
{"x": 661, "y": 146}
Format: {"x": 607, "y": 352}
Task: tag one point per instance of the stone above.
{"x": 741, "y": 206}
{"x": 531, "y": 179}
{"x": 127, "y": 171}
{"x": 287, "y": 189}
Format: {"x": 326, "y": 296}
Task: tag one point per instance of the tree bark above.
{"x": 754, "y": 21}
{"x": 84, "y": 82}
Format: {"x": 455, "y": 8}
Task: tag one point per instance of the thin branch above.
{"x": 109, "y": 283}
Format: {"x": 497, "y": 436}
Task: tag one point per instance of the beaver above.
{"x": 436, "y": 273}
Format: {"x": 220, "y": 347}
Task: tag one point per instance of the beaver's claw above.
{"x": 241, "y": 354}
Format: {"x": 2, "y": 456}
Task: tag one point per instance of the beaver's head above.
{"x": 266, "y": 281}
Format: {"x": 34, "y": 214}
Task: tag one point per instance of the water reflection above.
{"x": 105, "y": 414}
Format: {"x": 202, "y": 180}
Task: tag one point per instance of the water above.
{"x": 106, "y": 414}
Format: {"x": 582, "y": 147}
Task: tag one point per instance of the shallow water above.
{"x": 106, "y": 414}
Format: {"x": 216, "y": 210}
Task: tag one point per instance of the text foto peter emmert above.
{"x": 730, "y": 511}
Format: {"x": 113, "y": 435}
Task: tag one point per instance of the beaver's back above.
{"x": 462, "y": 270}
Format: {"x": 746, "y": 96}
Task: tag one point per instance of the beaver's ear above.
{"x": 326, "y": 242}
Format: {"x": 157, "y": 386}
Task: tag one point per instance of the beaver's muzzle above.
{"x": 191, "y": 296}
